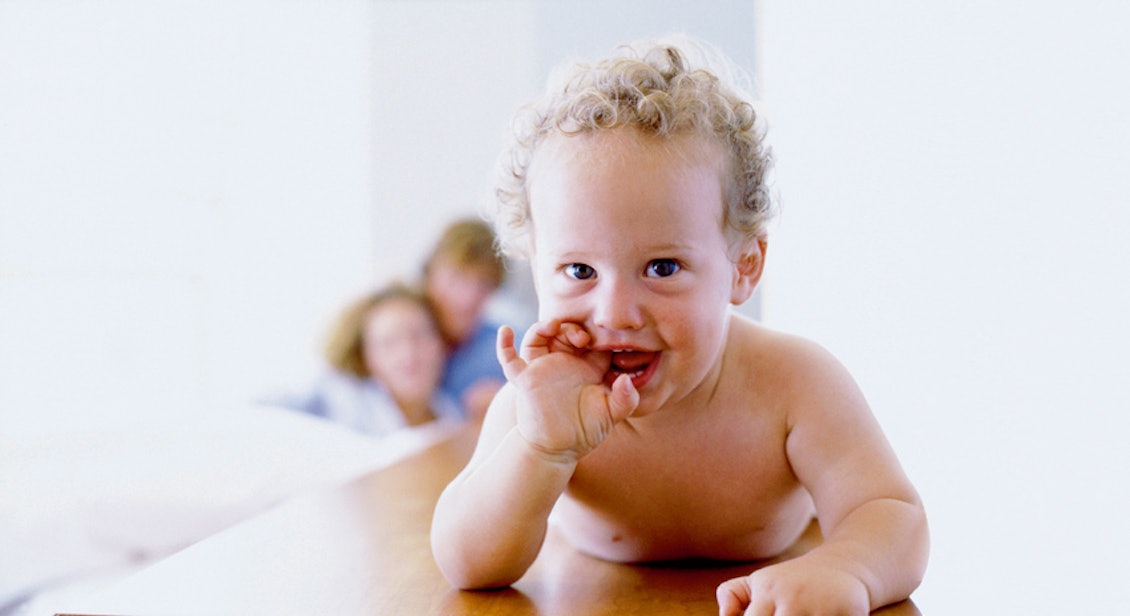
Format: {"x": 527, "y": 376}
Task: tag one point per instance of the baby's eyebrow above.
{"x": 672, "y": 246}
{"x": 651, "y": 251}
{"x": 667, "y": 248}
{"x": 569, "y": 257}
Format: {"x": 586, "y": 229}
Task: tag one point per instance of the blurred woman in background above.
{"x": 386, "y": 359}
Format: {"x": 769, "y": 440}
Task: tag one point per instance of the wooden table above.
{"x": 363, "y": 548}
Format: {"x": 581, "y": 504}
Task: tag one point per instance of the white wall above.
{"x": 954, "y": 184}
{"x": 448, "y": 75}
{"x": 190, "y": 191}
{"x": 179, "y": 180}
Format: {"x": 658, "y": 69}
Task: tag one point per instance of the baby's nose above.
{"x": 618, "y": 307}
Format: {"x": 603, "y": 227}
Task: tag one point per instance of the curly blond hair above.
{"x": 665, "y": 88}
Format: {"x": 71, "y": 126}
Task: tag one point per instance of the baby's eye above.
{"x": 579, "y": 271}
{"x": 662, "y": 268}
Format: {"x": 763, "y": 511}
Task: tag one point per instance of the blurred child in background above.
{"x": 461, "y": 273}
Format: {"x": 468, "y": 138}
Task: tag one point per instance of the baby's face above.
{"x": 628, "y": 242}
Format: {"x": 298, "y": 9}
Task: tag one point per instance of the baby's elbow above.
{"x": 471, "y": 557}
{"x": 468, "y": 574}
{"x": 465, "y": 569}
{"x": 480, "y": 582}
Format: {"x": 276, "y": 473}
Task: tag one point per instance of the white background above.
{"x": 190, "y": 190}
{"x": 955, "y": 204}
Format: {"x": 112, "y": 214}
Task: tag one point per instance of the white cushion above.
{"x": 74, "y": 505}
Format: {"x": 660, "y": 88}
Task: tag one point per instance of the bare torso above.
{"x": 706, "y": 482}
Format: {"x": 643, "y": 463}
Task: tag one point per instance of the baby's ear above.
{"x": 748, "y": 265}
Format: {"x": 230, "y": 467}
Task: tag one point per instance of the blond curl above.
{"x": 663, "y": 88}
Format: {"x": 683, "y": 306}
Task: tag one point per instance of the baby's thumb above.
{"x": 624, "y": 398}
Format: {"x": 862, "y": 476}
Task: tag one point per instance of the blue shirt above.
{"x": 472, "y": 361}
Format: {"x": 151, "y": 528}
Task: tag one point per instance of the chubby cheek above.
{"x": 552, "y": 307}
{"x": 699, "y": 334}
{"x": 552, "y": 303}
{"x": 565, "y": 309}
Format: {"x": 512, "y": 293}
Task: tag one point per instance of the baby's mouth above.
{"x": 638, "y": 365}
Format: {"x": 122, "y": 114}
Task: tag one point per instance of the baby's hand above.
{"x": 794, "y": 587}
{"x": 564, "y": 408}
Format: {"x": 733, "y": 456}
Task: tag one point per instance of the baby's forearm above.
{"x": 490, "y": 522}
{"x": 885, "y": 544}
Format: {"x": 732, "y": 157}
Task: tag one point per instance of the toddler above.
{"x": 653, "y": 421}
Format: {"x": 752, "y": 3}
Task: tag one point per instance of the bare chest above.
{"x": 681, "y": 492}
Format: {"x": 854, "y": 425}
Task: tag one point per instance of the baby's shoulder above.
{"x": 769, "y": 357}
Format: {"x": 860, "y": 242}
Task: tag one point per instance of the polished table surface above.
{"x": 364, "y": 548}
